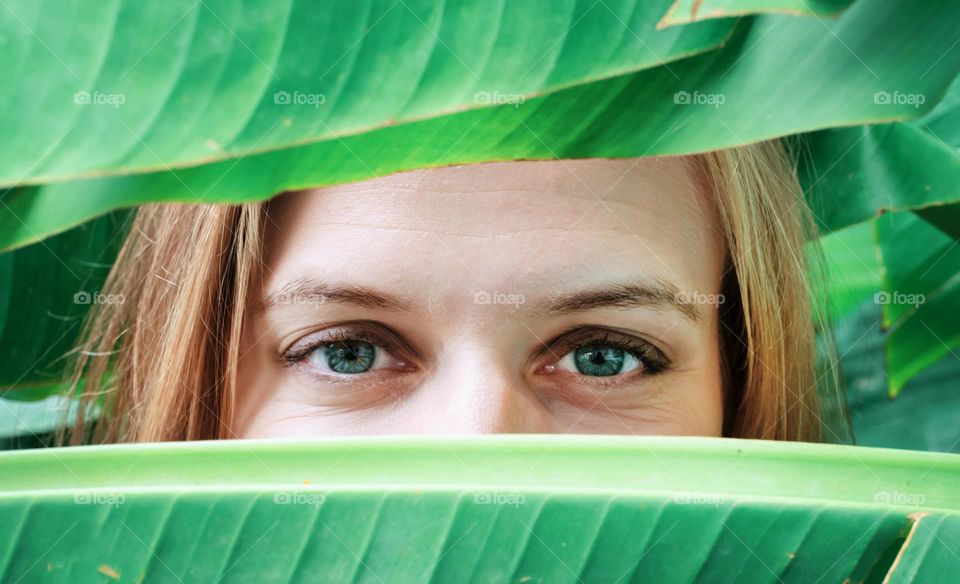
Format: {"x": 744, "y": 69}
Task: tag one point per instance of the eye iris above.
{"x": 599, "y": 360}
{"x": 350, "y": 357}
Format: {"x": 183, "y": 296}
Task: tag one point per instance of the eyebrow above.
{"x": 655, "y": 293}
{"x": 309, "y": 290}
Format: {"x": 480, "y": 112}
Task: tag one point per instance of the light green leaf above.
{"x": 919, "y": 262}
{"x": 921, "y": 294}
{"x": 921, "y": 559}
{"x": 852, "y": 269}
{"x": 925, "y": 337}
{"x": 489, "y": 509}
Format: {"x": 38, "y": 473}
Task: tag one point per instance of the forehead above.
{"x": 509, "y": 224}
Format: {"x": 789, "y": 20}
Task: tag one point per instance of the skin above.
{"x": 481, "y": 264}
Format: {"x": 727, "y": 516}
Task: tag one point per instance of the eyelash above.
{"x": 295, "y": 354}
{"x": 653, "y": 360}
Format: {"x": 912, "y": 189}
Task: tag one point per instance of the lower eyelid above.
{"x": 626, "y": 377}
{"x": 348, "y": 395}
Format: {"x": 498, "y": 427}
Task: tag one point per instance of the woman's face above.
{"x": 575, "y": 296}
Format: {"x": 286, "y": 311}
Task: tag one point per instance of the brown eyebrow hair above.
{"x": 655, "y": 293}
{"x": 306, "y": 290}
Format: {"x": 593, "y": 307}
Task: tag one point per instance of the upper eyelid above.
{"x": 584, "y": 335}
{"x": 392, "y": 342}
{"x": 294, "y": 357}
{"x": 370, "y": 331}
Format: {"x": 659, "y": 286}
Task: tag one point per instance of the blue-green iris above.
{"x": 349, "y": 357}
{"x": 599, "y": 360}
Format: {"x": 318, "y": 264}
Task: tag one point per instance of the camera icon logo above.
{"x": 482, "y": 297}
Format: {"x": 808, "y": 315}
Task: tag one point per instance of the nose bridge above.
{"x": 483, "y": 394}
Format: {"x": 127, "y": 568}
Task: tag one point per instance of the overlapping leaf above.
{"x": 751, "y": 89}
{"x": 853, "y": 174}
{"x": 517, "y": 509}
{"x": 687, "y": 11}
{"x": 924, "y": 416}
{"x": 131, "y": 87}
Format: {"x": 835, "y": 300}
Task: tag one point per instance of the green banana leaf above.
{"x": 924, "y": 416}
{"x": 45, "y": 290}
{"x": 133, "y": 87}
{"x": 687, "y": 11}
{"x": 852, "y": 269}
{"x": 853, "y": 174}
{"x": 923, "y": 283}
{"x": 910, "y": 270}
{"x": 483, "y": 509}
{"x": 751, "y": 89}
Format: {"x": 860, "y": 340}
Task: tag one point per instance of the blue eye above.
{"x": 352, "y": 351}
{"x": 348, "y": 357}
{"x": 602, "y": 360}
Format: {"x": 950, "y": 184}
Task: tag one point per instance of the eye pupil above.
{"x": 350, "y": 357}
{"x": 599, "y": 360}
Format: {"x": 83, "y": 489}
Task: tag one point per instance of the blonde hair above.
{"x": 163, "y": 364}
